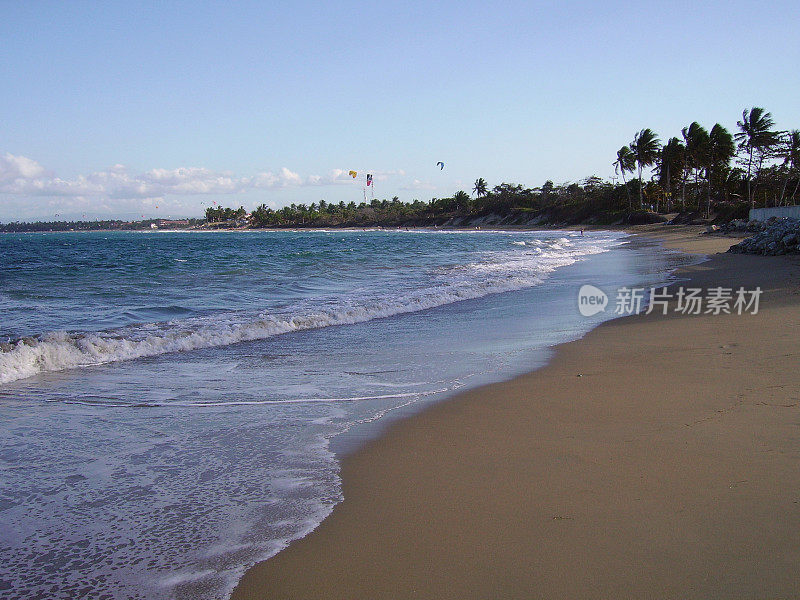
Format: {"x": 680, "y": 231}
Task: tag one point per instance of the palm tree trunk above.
{"x": 640, "y": 187}
{"x": 627, "y": 191}
{"x": 683, "y": 192}
{"x": 755, "y": 185}
{"x": 783, "y": 190}
{"x": 752, "y": 199}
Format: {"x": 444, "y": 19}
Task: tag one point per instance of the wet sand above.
{"x": 657, "y": 457}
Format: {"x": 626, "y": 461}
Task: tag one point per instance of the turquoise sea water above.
{"x": 168, "y": 399}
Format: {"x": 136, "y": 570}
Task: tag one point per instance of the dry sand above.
{"x": 670, "y": 468}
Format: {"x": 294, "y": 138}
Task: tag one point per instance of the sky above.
{"x": 159, "y": 109}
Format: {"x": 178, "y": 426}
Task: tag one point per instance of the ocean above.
{"x": 173, "y": 405}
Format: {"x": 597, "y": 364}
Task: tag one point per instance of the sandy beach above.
{"x": 657, "y": 457}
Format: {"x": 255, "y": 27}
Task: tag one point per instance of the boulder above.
{"x": 771, "y": 237}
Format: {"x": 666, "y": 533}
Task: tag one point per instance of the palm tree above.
{"x": 672, "y": 164}
{"x": 461, "y": 200}
{"x": 755, "y": 136}
{"x": 696, "y": 138}
{"x": 718, "y": 156}
{"x": 791, "y": 160}
{"x": 625, "y": 163}
{"x": 480, "y": 188}
{"x": 644, "y": 147}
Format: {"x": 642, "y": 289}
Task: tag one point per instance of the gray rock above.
{"x": 772, "y": 237}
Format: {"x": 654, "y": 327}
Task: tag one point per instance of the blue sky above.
{"x": 117, "y": 109}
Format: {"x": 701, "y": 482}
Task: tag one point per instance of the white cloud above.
{"x": 283, "y": 178}
{"x": 20, "y": 175}
{"x": 265, "y": 180}
{"x": 384, "y": 175}
{"x": 290, "y": 177}
{"x": 417, "y": 185}
{"x": 18, "y": 167}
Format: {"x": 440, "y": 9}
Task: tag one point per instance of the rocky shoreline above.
{"x": 771, "y": 237}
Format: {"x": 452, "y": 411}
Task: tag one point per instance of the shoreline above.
{"x": 654, "y": 228}
{"x": 345, "y": 444}
{"x": 554, "y": 485}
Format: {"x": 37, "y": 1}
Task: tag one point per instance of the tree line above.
{"x": 756, "y": 164}
{"x": 219, "y": 214}
{"x": 592, "y": 198}
{"x": 702, "y": 172}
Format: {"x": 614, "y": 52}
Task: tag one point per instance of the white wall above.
{"x": 762, "y": 214}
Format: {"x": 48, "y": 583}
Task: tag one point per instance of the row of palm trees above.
{"x": 700, "y": 154}
{"x": 695, "y": 167}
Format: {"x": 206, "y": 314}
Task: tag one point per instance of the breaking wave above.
{"x": 496, "y": 272}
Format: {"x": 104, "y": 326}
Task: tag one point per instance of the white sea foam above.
{"x": 90, "y": 400}
{"x": 496, "y": 272}
{"x": 178, "y": 503}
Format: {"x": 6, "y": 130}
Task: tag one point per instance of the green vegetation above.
{"x": 220, "y": 215}
{"x": 625, "y": 163}
{"x": 702, "y": 174}
{"x": 590, "y": 200}
{"x": 645, "y": 150}
{"x": 480, "y": 189}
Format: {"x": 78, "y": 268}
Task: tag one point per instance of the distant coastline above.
{"x": 704, "y": 175}
{"x": 100, "y": 225}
